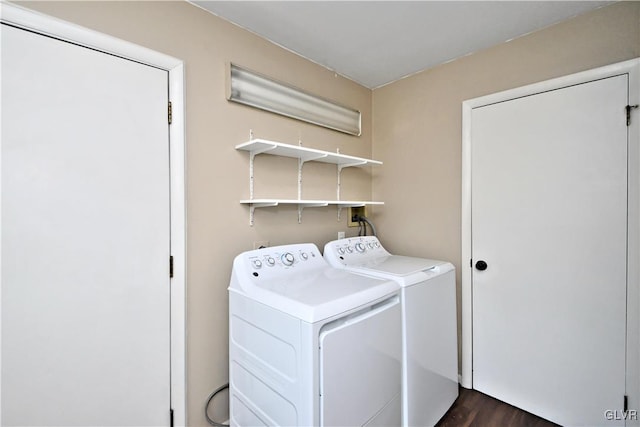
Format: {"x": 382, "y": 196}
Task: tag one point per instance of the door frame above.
{"x": 56, "y": 28}
{"x": 632, "y": 68}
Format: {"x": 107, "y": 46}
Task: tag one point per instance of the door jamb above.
{"x": 43, "y": 24}
{"x": 632, "y": 68}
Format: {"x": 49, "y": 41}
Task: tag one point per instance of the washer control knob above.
{"x": 341, "y": 251}
{"x": 287, "y": 259}
{"x": 304, "y": 256}
{"x": 360, "y": 247}
{"x": 349, "y": 249}
{"x": 256, "y": 263}
{"x": 370, "y": 245}
{"x": 271, "y": 262}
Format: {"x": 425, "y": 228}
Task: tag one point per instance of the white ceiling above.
{"x": 377, "y": 42}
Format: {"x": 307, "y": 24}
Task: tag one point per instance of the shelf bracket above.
{"x": 252, "y": 209}
{"x": 301, "y": 162}
{"x": 308, "y": 205}
{"x": 349, "y": 165}
{"x": 252, "y": 156}
{"x": 340, "y": 167}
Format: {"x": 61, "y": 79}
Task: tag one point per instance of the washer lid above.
{"x": 319, "y": 295}
{"x": 398, "y": 265}
{"x": 309, "y": 290}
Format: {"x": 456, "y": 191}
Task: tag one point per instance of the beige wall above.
{"x": 416, "y": 132}
{"x": 417, "y": 122}
{"x": 217, "y": 174}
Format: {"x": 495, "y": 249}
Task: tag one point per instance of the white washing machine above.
{"x": 311, "y": 345}
{"x": 429, "y": 322}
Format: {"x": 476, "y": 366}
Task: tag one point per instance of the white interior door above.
{"x": 549, "y": 218}
{"x": 85, "y": 236}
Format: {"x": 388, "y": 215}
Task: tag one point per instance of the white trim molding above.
{"x": 33, "y": 21}
{"x": 632, "y": 68}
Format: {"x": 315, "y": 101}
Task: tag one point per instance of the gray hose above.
{"x": 206, "y": 407}
{"x": 373, "y": 228}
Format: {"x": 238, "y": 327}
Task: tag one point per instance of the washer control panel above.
{"x": 354, "y": 250}
{"x": 277, "y": 261}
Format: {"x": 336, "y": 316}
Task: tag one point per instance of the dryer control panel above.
{"x": 355, "y": 250}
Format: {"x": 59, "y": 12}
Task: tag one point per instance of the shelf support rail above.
{"x": 340, "y": 167}
{"x": 301, "y": 162}
{"x": 252, "y": 156}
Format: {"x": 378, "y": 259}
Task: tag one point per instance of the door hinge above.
{"x": 625, "y": 403}
{"x": 170, "y": 113}
{"x": 170, "y": 417}
{"x": 171, "y": 267}
{"x": 628, "y": 108}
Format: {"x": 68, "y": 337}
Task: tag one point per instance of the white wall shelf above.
{"x": 303, "y": 154}
{"x": 263, "y": 146}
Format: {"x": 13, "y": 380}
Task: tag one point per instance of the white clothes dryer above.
{"x": 311, "y": 345}
{"x": 429, "y": 322}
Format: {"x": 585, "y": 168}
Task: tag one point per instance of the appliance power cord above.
{"x": 206, "y": 407}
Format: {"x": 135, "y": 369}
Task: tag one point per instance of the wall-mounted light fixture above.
{"x": 250, "y": 88}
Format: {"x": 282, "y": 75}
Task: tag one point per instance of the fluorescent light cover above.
{"x": 255, "y": 90}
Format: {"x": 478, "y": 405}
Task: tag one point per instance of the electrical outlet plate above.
{"x": 354, "y": 212}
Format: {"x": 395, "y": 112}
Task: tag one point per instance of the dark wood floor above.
{"x": 473, "y": 408}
